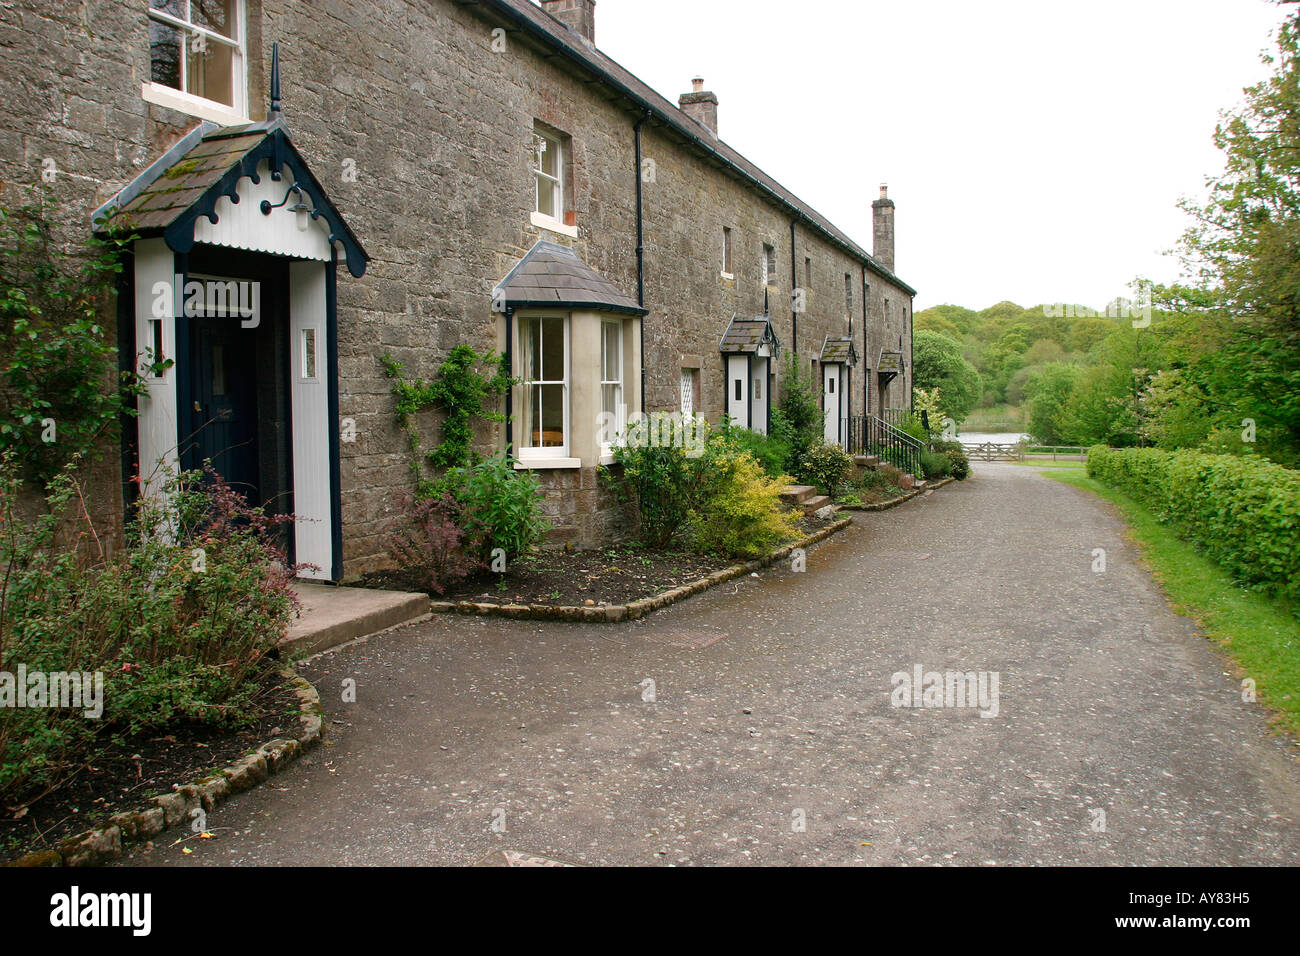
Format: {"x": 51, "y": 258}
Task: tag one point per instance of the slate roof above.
{"x": 839, "y": 350}
{"x": 552, "y": 276}
{"x": 745, "y": 336}
{"x": 208, "y": 162}
{"x": 536, "y": 22}
{"x": 183, "y": 181}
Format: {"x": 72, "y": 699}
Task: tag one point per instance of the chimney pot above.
{"x": 578, "y": 15}
{"x": 701, "y": 106}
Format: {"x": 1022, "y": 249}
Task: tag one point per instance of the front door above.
{"x": 832, "y": 389}
{"x": 224, "y": 402}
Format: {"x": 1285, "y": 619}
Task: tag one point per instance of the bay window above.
{"x": 611, "y": 377}
{"x": 544, "y": 349}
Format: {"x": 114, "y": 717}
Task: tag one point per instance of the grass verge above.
{"x": 1058, "y": 465}
{"x": 1260, "y": 633}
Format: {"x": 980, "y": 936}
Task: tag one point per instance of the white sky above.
{"x": 1036, "y": 148}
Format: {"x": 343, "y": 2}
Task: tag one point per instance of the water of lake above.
{"x": 997, "y": 438}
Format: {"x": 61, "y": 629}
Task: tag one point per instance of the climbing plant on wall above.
{"x": 462, "y": 389}
{"x": 58, "y": 361}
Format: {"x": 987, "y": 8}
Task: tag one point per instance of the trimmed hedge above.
{"x": 1242, "y": 513}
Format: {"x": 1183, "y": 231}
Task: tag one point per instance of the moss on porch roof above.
{"x": 839, "y": 350}
{"x": 748, "y": 335}
{"x": 552, "y": 276}
{"x": 183, "y": 183}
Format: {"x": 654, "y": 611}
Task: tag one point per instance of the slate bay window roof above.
{"x": 839, "y": 350}
{"x": 551, "y": 276}
{"x": 747, "y": 336}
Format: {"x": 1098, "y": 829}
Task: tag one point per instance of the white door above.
{"x": 832, "y": 390}
{"x": 738, "y": 389}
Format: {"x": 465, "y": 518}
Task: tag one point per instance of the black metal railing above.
{"x": 854, "y": 430}
{"x": 892, "y": 445}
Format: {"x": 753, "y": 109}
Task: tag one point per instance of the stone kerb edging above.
{"x": 210, "y": 791}
{"x": 634, "y": 610}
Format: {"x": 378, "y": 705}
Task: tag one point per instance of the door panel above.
{"x": 223, "y": 399}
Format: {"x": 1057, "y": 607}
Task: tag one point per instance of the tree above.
{"x": 1243, "y": 252}
{"x": 938, "y": 363}
{"x": 1049, "y": 389}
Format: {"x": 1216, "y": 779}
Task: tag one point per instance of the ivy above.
{"x": 57, "y": 361}
{"x": 461, "y": 390}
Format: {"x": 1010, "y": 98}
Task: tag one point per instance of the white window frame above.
{"x": 619, "y": 405}
{"x": 536, "y": 455}
{"x": 769, "y": 264}
{"x": 198, "y": 106}
{"x": 687, "y": 398}
{"x": 541, "y": 133}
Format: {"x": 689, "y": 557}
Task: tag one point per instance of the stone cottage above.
{"x": 426, "y": 173}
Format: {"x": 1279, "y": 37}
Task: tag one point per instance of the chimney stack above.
{"x": 578, "y": 15}
{"x": 883, "y": 220}
{"x": 701, "y": 106}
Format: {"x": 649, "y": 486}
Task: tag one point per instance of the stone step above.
{"x": 815, "y": 503}
{"x": 335, "y": 615}
{"x": 867, "y": 461}
{"x": 797, "y": 494}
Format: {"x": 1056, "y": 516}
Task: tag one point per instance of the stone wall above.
{"x": 437, "y": 126}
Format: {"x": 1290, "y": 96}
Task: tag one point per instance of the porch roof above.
{"x": 185, "y": 184}
{"x": 839, "y": 351}
{"x": 745, "y": 336}
{"x": 552, "y": 276}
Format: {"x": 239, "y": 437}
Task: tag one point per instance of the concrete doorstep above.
{"x": 334, "y": 615}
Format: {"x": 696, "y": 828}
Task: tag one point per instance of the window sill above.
{"x": 729, "y": 276}
{"x": 542, "y": 221}
{"x": 547, "y": 464}
{"x": 190, "y": 104}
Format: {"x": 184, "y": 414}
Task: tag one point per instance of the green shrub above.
{"x": 499, "y": 507}
{"x": 797, "y": 420}
{"x": 724, "y": 497}
{"x": 958, "y": 463}
{"x": 739, "y": 513}
{"x": 664, "y": 482}
{"x": 825, "y": 466}
{"x": 182, "y": 621}
{"x": 1241, "y": 512}
{"x": 771, "y": 452}
{"x": 935, "y": 464}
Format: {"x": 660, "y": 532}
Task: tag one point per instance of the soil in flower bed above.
{"x": 859, "y": 496}
{"x": 122, "y": 776}
{"x": 560, "y": 578}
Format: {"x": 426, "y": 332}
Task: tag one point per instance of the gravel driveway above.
{"x": 772, "y": 738}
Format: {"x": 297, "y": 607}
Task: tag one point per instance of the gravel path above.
{"x": 771, "y": 738}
